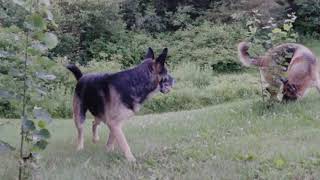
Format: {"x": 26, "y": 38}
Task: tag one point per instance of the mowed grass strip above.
{"x": 244, "y": 139}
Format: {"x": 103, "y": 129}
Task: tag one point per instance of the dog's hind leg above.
{"x": 316, "y": 80}
{"x": 111, "y": 140}
{"x": 79, "y": 117}
{"x": 317, "y": 84}
{"x": 95, "y": 125}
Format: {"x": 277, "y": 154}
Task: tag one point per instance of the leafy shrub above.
{"x": 268, "y": 33}
{"x": 186, "y": 96}
{"x": 207, "y": 44}
{"x": 68, "y": 43}
{"x": 8, "y": 110}
{"x": 308, "y": 13}
{"x": 230, "y": 66}
{"x": 161, "y": 16}
{"x": 152, "y": 23}
{"x": 192, "y": 76}
{"x": 83, "y": 22}
{"x": 11, "y": 14}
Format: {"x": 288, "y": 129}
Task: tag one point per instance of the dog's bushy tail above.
{"x": 243, "y": 48}
{"x": 75, "y": 70}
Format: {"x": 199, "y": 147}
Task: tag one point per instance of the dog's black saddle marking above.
{"x": 92, "y": 90}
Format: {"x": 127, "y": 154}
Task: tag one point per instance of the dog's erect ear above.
{"x": 162, "y": 57}
{"x": 149, "y": 54}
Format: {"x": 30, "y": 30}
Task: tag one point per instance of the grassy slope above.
{"x": 236, "y": 140}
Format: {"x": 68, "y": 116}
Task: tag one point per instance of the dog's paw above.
{"x": 79, "y": 147}
{"x": 110, "y": 148}
{"x": 131, "y": 158}
{"x": 95, "y": 139}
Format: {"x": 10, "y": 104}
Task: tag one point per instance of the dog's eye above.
{"x": 292, "y": 88}
{"x": 164, "y": 79}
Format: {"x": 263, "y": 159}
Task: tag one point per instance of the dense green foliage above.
{"x": 308, "y": 15}
{"x": 111, "y": 35}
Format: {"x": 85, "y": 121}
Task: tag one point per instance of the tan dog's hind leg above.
{"x": 78, "y": 117}
{"x": 95, "y": 125}
{"x": 317, "y": 85}
{"x": 116, "y": 129}
{"x": 316, "y": 80}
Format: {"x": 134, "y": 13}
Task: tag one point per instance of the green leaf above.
{"x": 43, "y": 134}
{"x": 103, "y": 54}
{"x": 40, "y": 91}
{"x": 279, "y": 163}
{"x": 50, "y": 40}
{"x": 287, "y": 27}
{"x": 39, "y": 35}
{"x": 28, "y": 125}
{"x": 49, "y": 15}
{"x": 6, "y": 54}
{"x": 276, "y": 30}
{"x": 35, "y": 21}
{"x": 42, "y": 124}
{"x": 253, "y": 29}
{"x": 37, "y": 49}
{"x": 41, "y": 114}
{"x": 40, "y": 145}
{"x": 15, "y": 72}
{"x": 6, "y": 94}
{"x": 249, "y": 23}
{"x": 5, "y": 147}
{"x": 247, "y": 157}
{"x": 45, "y": 76}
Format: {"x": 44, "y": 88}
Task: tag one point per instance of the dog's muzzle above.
{"x": 288, "y": 98}
{"x": 166, "y": 84}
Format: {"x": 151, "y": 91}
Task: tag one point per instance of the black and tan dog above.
{"x": 302, "y": 69}
{"x": 113, "y": 98}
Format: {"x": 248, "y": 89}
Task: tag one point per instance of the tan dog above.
{"x": 302, "y": 71}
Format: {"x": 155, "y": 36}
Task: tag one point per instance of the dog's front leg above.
{"x": 121, "y": 140}
{"x": 111, "y": 140}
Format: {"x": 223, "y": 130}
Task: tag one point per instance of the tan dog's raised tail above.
{"x": 302, "y": 71}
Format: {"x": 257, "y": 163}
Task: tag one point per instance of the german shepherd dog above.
{"x": 302, "y": 71}
{"x": 113, "y": 98}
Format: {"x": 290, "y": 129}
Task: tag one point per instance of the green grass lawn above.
{"x": 243, "y": 139}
